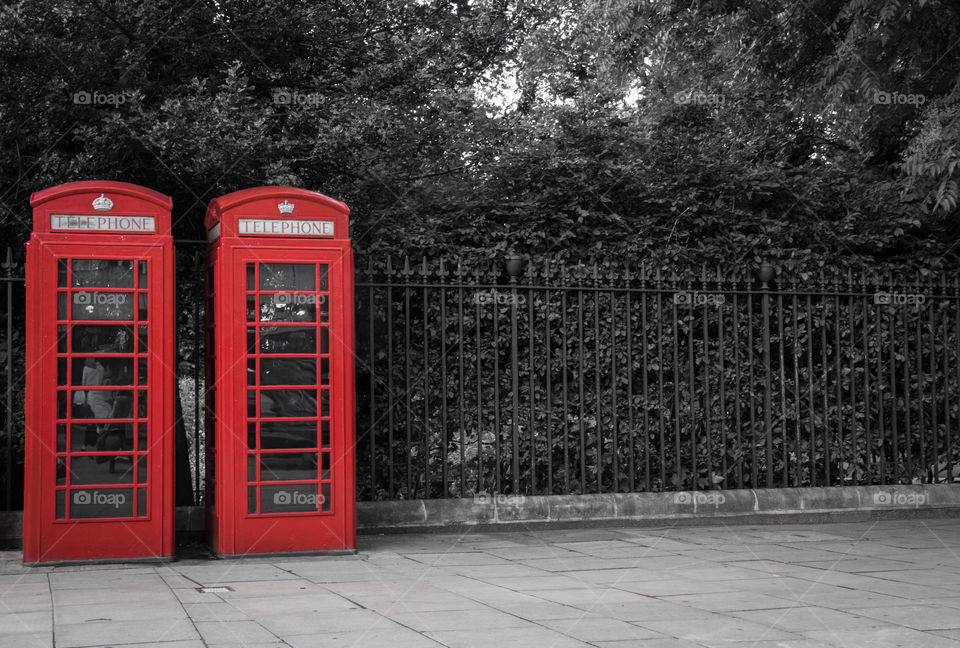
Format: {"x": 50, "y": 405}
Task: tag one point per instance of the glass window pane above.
{"x": 83, "y": 437}
{"x": 252, "y": 371}
{"x": 101, "y": 469}
{"x": 250, "y": 276}
{"x": 252, "y": 403}
{"x": 61, "y": 438}
{"x": 289, "y": 498}
{"x": 143, "y": 372}
{"x": 61, "y": 470}
{"x": 102, "y": 404}
{"x": 288, "y": 371}
{"x": 252, "y": 436}
{"x": 251, "y": 308}
{"x": 61, "y": 339}
{"x": 62, "y": 310}
{"x": 94, "y": 305}
{"x": 101, "y": 273}
{"x": 325, "y": 434}
{"x": 251, "y": 467}
{"x": 62, "y": 273}
{"x": 143, "y": 274}
{"x": 97, "y": 372}
{"x": 251, "y": 499}
{"x": 142, "y": 441}
{"x": 143, "y": 302}
{"x": 324, "y": 339}
{"x": 288, "y": 466}
{"x": 144, "y": 339}
{"x": 288, "y": 276}
{"x": 142, "y": 471}
{"x": 141, "y": 502}
{"x": 275, "y": 403}
{"x": 101, "y": 503}
{"x": 324, "y": 371}
{"x": 288, "y": 435}
{"x": 324, "y": 402}
{"x": 288, "y": 307}
{"x": 61, "y": 505}
{"x": 288, "y": 339}
{"x": 326, "y": 503}
{"x": 325, "y": 465}
{"x": 251, "y": 339}
{"x": 104, "y": 338}
{"x": 62, "y": 372}
{"x": 323, "y": 277}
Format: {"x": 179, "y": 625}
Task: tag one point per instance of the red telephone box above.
{"x": 280, "y": 400}
{"x": 99, "y": 455}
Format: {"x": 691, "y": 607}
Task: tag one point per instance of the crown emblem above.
{"x": 102, "y": 203}
{"x": 286, "y": 207}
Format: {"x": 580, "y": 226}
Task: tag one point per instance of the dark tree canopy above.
{"x": 818, "y": 133}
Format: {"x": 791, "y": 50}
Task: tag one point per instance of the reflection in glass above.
{"x": 142, "y": 436}
{"x": 62, "y": 306}
{"x": 324, "y": 309}
{"x": 61, "y": 438}
{"x": 324, "y": 339}
{"x": 100, "y": 469}
{"x": 101, "y": 503}
{"x": 102, "y": 273}
{"x": 324, "y": 402}
{"x": 143, "y": 273}
{"x": 288, "y": 307}
{"x": 288, "y": 435}
{"x": 288, "y": 339}
{"x": 251, "y": 340}
{"x": 103, "y": 338}
{"x": 288, "y": 498}
{"x": 62, "y": 273}
{"x": 144, "y": 340}
{"x": 288, "y": 276}
{"x": 142, "y": 310}
{"x": 323, "y": 277}
{"x": 252, "y": 371}
{"x": 102, "y": 371}
{"x": 251, "y": 308}
{"x": 61, "y": 339}
{"x": 142, "y": 371}
{"x": 61, "y": 505}
{"x": 102, "y": 404}
{"x": 288, "y": 466}
{"x": 324, "y": 371}
{"x": 250, "y": 277}
{"x": 94, "y": 305}
{"x": 61, "y": 471}
{"x": 251, "y": 499}
{"x": 288, "y": 371}
{"x": 141, "y": 502}
{"x": 276, "y": 403}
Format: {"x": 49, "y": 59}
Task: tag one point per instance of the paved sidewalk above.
{"x": 876, "y": 584}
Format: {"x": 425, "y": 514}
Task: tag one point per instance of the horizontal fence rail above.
{"x": 605, "y": 379}
{"x": 599, "y": 379}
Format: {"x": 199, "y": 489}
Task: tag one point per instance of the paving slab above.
{"x": 872, "y": 584}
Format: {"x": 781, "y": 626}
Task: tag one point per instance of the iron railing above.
{"x": 600, "y": 379}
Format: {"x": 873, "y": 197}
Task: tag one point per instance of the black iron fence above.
{"x": 524, "y": 378}
{"x": 600, "y": 379}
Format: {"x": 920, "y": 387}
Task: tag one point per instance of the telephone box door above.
{"x": 289, "y": 471}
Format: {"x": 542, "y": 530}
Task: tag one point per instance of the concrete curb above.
{"x": 753, "y": 506}
{"x": 777, "y": 505}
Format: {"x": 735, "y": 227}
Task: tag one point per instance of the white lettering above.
{"x": 90, "y": 223}
{"x": 283, "y": 227}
